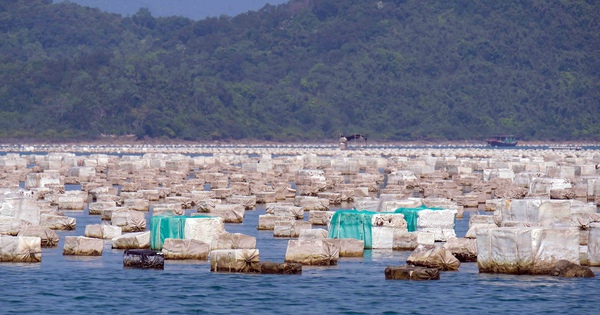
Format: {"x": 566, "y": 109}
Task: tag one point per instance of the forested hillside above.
{"x": 193, "y": 9}
{"x": 305, "y": 70}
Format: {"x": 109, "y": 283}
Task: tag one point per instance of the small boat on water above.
{"x": 502, "y": 141}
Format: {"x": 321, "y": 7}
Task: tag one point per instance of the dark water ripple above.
{"x": 100, "y": 285}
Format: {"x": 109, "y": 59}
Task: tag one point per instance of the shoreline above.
{"x": 130, "y": 140}
{"x": 262, "y": 147}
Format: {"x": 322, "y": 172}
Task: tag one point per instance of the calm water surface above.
{"x": 100, "y": 285}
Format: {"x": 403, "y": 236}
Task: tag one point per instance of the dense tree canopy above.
{"x": 308, "y": 69}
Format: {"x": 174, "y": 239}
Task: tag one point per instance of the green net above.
{"x": 354, "y": 224}
{"x": 162, "y": 227}
{"x": 410, "y": 215}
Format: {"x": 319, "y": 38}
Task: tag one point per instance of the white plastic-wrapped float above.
{"x": 321, "y": 252}
{"x": 235, "y": 260}
{"x": 179, "y": 249}
{"x": 83, "y": 246}
{"x": 137, "y": 240}
{"x": 204, "y": 229}
{"x": 103, "y": 231}
{"x": 20, "y": 249}
{"x": 526, "y": 250}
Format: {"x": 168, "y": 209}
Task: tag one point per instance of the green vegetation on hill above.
{"x": 305, "y": 70}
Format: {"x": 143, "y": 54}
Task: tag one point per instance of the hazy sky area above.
{"x": 193, "y": 9}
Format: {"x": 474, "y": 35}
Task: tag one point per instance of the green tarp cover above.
{"x": 410, "y": 215}
{"x": 162, "y": 227}
{"x": 354, "y": 224}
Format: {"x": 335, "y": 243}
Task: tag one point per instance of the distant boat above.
{"x": 502, "y": 141}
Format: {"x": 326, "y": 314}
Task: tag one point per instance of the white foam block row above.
{"x": 97, "y": 207}
{"x": 71, "y": 202}
{"x": 20, "y": 249}
{"x": 129, "y": 220}
{"x": 472, "y": 232}
{"x": 49, "y": 237}
{"x": 203, "y": 229}
{"x": 538, "y": 212}
{"x": 367, "y": 204}
{"x": 525, "y": 249}
{"x": 391, "y": 205}
{"x": 156, "y": 211}
{"x": 233, "y": 241}
{"x": 103, "y": 231}
{"x": 11, "y": 226}
{"x": 350, "y": 247}
{"x": 313, "y": 203}
{"x": 438, "y": 222}
{"x": 594, "y": 245}
{"x": 391, "y": 220}
{"x": 110, "y": 231}
{"x": 58, "y": 222}
{"x": 22, "y": 208}
{"x": 317, "y": 217}
{"x": 234, "y": 260}
{"x": 543, "y": 185}
{"x": 425, "y": 238}
{"x": 553, "y": 244}
{"x": 290, "y": 228}
{"x": 312, "y": 234}
{"x": 249, "y": 202}
{"x": 83, "y": 246}
{"x": 137, "y": 204}
{"x": 48, "y": 177}
{"x": 185, "y": 249}
{"x": 384, "y": 227}
{"x": 477, "y": 222}
{"x": 522, "y": 210}
{"x": 132, "y": 240}
{"x": 436, "y": 219}
{"x": 313, "y": 252}
{"x": 230, "y": 213}
{"x": 480, "y": 219}
{"x": 267, "y": 221}
{"x": 382, "y": 237}
{"x": 554, "y": 213}
{"x": 285, "y": 210}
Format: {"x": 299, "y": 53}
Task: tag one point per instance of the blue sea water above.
{"x": 100, "y": 285}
